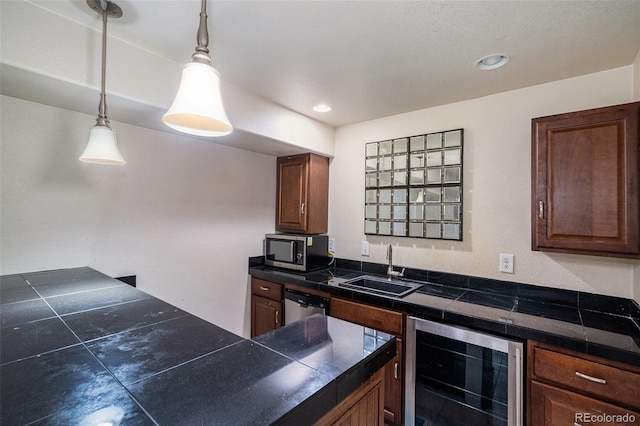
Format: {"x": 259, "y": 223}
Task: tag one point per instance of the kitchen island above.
{"x": 78, "y": 347}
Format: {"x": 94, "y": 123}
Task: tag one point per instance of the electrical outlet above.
{"x": 365, "y": 248}
{"x": 332, "y": 245}
{"x": 506, "y": 263}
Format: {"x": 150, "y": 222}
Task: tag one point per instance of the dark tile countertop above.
{"x": 78, "y": 347}
{"x": 602, "y": 326}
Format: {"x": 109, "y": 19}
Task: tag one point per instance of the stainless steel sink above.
{"x": 381, "y": 286}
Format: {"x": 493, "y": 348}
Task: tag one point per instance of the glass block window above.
{"x": 413, "y": 186}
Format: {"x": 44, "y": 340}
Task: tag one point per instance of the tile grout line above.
{"x": 94, "y": 356}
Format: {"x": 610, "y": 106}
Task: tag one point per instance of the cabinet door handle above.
{"x": 541, "y": 209}
{"x": 277, "y": 313}
{"x": 302, "y": 209}
{"x": 591, "y": 378}
{"x": 395, "y": 370}
{"x": 263, "y": 288}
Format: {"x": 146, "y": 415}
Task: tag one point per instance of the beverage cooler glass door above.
{"x": 457, "y": 376}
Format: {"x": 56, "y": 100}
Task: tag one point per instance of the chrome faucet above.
{"x": 390, "y": 272}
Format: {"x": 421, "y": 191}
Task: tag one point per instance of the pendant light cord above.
{"x": 202, "y": 49}
{"x": 102, "y": 119}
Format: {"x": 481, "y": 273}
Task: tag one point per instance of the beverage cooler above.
{"x": 458, "y": 376}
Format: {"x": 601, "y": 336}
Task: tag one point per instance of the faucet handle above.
{"x": 391, "y": 273}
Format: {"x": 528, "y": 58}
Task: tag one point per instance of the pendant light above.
{"x": 197, "y": 108}
{"x": 102, "y": 147}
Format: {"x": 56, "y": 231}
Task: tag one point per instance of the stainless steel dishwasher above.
{"x": 299, "y": 305}
{"x": 458, "y": 376}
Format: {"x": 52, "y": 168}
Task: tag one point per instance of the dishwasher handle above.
{"x": 305, "y": 300}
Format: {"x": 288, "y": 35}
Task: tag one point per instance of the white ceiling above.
{"x": 370, "y": 59}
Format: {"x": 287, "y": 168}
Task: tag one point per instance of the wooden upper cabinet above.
{"x": 302, "y": 198}
{"x": 585, "y": 182}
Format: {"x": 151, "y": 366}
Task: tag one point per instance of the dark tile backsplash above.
{"x": 453, "y": 280}
{"x": 492, "y": 299}
{"x": 544, "y": 294}
{"x": 608, "y": 322}
{"x": 489, "y": 285}
{"x": 589, "y": 301}
{"x": 601, "y": 303}
{"x": 129, "y": 279}
{"x": 255, "y": 261}
{"x": 548, "y": 310}
{"x": 348, "y": 264}
{"x": 374, "y": 268}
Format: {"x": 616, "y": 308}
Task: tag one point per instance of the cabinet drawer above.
{"x": 611, "y": 383}
{"x": 268, "y": 289}
{"x": 391, "y": 322}
{"x": 553, "y": 406}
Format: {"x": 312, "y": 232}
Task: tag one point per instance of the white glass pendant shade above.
{"x": 102, "y": 147}
{"x": 197, "y": 108}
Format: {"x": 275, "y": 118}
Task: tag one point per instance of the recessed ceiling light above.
{"x": 322, "y": 108}
{"x": 491, "y": 62}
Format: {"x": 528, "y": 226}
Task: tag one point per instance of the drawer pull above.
{"x": 263, "y": 288}
{"x": 591, "y": 378}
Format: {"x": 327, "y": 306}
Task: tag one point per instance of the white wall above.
{"x": 183, "y": 214}
{"x": 636, "y": 77}
{"x": 497, "y": 187}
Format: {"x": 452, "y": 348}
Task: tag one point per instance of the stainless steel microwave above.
{"x": 297, "y": 252}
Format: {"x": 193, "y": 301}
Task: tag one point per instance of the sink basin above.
{"x": 381, "y": 286}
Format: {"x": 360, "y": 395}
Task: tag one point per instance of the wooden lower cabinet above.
{"x": 391, "y": 322}
{"x": 364, "y": 407}
{"x": 571, "y": 388}
{"x": 266, "y": 315}
{"x": 267, "y": 306}
{"x": 394, "y": 385}
{"x": 551, "y": 406}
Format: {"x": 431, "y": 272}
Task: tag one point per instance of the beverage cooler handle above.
{"x": 518, "y": 387}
